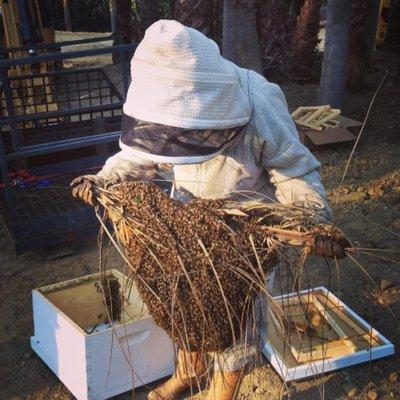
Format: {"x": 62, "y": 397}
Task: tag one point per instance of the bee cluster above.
{"x": 196, "y": 268}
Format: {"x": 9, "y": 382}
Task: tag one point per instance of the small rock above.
{"x": 376, "y": 192}
{"x": 395, "y": 225}
{"x": 350, "y": 389}
{"x": 391, "y": 198}
{"x": 372, "y": 394}
{"x": 393, "y": 377}
{"x": 347, "y": 378}
{"x": 376, "y": 368}
{"x": 385, "y": 284}
{"x": 46, "y": 375}
{"x": 27, "y": 356}
{"x": 345, "y": 191}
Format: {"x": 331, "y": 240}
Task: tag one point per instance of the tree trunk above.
{"x": 356, "y": 61}
{"x": 148, "y": 13}
{"x": 371, "y": 30}
{"x": 240, "y": 43}
{"x": 276, "y": 22}
{"x": 67, "y": 15}
{"x": 194, "y": 13}
{"x": 304, "y": 43}
{"x": 113, "y": 14}
{"x": 123, "y": 21}
{"x": 123, "y": 25}
{"x": 361, "y": 42}
{"x": 333, "y": 78}
{"x": 393, "y": 31}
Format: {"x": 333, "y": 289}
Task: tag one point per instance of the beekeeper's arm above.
{"x": 293, "y": 169}
{"x": 118, "y": 168}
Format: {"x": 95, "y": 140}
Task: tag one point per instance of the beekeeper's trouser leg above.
{"x": 229, "y": 364}
{"x": 190, "y": 370}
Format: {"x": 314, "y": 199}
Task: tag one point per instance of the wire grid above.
{"x": 77, "y": 92}
{"x": 33, "y": 203}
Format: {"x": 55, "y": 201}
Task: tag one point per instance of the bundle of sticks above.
{"x": 199, "y": 265}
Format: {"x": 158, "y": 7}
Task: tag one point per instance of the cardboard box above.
{"x": 94, "y": 360}
{"x": 331, "y": 137}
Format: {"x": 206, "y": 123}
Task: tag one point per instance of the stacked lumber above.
{"x": 317, "y": 117}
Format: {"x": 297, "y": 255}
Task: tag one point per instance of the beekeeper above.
{"x": 224, "y": 131}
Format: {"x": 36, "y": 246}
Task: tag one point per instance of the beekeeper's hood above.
{"x": 186, "y": 96}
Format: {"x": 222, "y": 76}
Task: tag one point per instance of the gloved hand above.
{"x": 330, "y": 242}
{"x": 82, "y": 188}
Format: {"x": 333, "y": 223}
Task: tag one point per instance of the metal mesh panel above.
{"x": 71, "y": 96}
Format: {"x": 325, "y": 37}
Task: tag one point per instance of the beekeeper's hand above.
{"x": 82, "y": 188}
{"x": 330, "y": 242}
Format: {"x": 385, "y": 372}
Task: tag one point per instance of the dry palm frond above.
{"x": 198, "y": 266}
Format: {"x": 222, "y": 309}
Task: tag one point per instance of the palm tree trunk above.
{"x": 123, "y": 21}
{"x": 304, "y": 42}
{"x": 124, "y": 24}
{"x": 333, "y": 78}
{"x": 67, "y": 15}
{"x": 113, "y": 14}
{"x": 357, "y": 61}
{"x": 371, "y": 30}
{"x": 275, "y": 26}
{"x": 194, "y": 13}
{"x": 148, "y": 12}
{"x": 240, "y": 43}
{"x": 393, "y": 31}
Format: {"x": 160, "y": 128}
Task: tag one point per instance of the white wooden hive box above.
{"x": 94, "y": 360}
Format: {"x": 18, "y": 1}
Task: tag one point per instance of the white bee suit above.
{"x": 232, "y": 132}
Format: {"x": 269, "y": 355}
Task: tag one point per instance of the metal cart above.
{"x": 54, "y": 126}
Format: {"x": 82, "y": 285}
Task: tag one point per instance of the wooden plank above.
{"x": 307, "y": 108}
{"x": 329, "y": 138}
{"x": 309, "y": 125}
{"x": 325, "y": 343}
{"x": 347, "y": 122}
{"x": 328, "y": 117}
{"x": 316, "y": 114}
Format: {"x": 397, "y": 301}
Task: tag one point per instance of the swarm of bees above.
{"x": 197, "y": 265}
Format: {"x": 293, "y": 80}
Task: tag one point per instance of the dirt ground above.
{"x": 367, "y": 208}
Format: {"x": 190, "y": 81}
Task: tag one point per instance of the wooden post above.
{"x": 240, "y": 42}
{"x": 333, "y": 77}
{"x": 67, "y": 15}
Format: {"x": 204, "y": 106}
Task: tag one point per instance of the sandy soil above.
{"x": 367, "y": 207}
